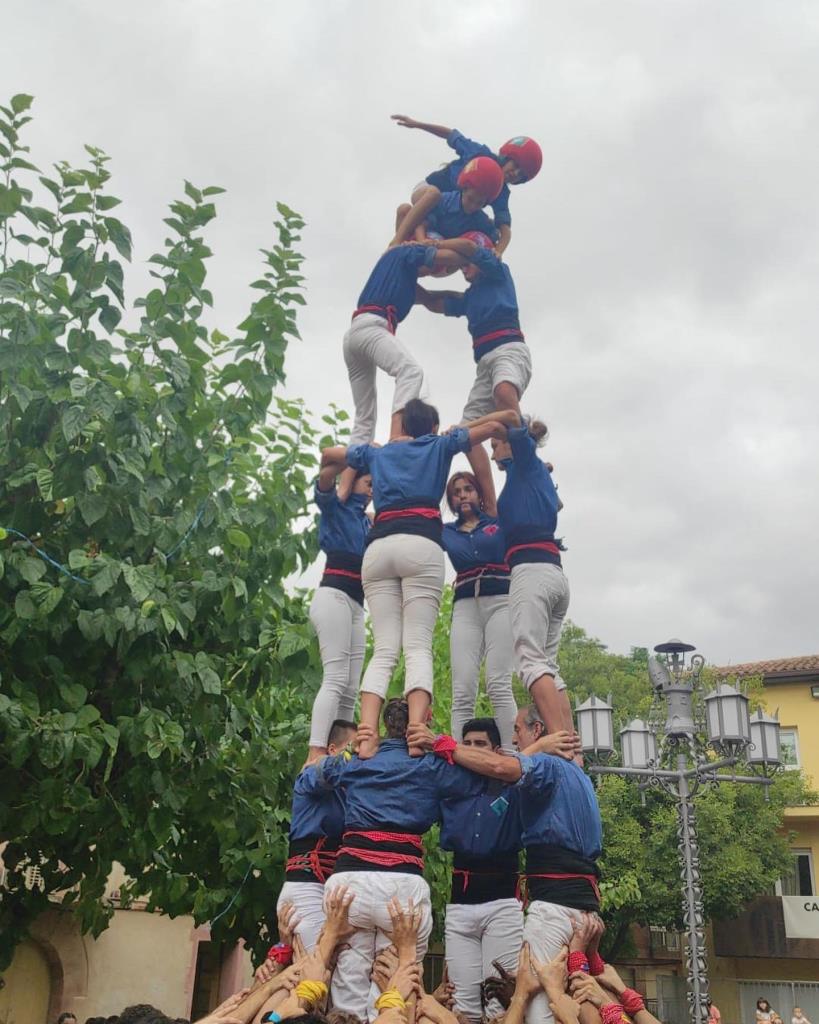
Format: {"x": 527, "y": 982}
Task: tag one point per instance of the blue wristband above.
{"x": 271, "y": 1017}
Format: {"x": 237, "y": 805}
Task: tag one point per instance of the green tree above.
{"x": 155, "y": 674}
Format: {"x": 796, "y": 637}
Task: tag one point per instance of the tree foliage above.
{"x": 154, "y": 671}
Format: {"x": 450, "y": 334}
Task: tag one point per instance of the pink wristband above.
{"x": 578, "y": 961}
{"x": 444, "y": 747}
{"x": 632, "y": 1001}
{"x": 596, "y": 964}
{"x": 613, "y": 1013}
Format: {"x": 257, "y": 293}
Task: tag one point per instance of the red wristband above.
{"x": 578, "y": 961}
{"x": 281, "y": 953}
{"x": 444, "y": 747}
{"x": 632, "y": 1001}
{"x": 596, "y": 964}
{"x": 613, "y": 1013}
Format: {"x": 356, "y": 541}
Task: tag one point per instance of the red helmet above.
{"x": 480, "y": 239}
{"x": 484, "y": 174}
{"x": 526, "y": 153}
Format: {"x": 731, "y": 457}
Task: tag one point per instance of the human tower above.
{"x": 358, "y": 819}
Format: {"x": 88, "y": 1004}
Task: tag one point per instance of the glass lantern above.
{"x": 765, "y": 747}
{"x": 639, "y": 744}
{"x": 727, "y": 718}
{"x": 595, "y": 724}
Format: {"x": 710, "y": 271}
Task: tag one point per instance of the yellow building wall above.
{"x": 798, "y": 710}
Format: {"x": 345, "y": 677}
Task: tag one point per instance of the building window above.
{"x": 798, "y": 880}
{"x": 665, "y": 937}
{"x": 789, "y": 740}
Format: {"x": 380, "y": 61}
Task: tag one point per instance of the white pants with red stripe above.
{"x": 351, "y": 988}
{"x": 475, "y": 935}
{"x": 370, "y": 346}
{"x": 481, "y": 630}
{"x": 308, "y": 899}
{"x": 548, "y": 928}
{"x": 403, "y": 577}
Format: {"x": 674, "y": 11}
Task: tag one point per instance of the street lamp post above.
{"x": 682, "y": 748}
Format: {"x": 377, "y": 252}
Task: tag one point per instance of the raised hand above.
{"x": 585, "y": 989}
{"x": 527, "y": 983}
{"x": 420, "y": 735}
{"x": 337, "y": 912}
{"x": 501, "y": 988}
{"x": 445, "y": 992}
{"x": 288, "y": 920}
{"x": 407, "y": 981}
{"x": 560, "y": 744}
{"x": 226, "y": 1012}
{"x": 553, "y": 974}
{"x": 582, "y": 931}
{"x": 404, "y": 121}
{"x": 384, "y": 967}
{"x": 405, "y": 925}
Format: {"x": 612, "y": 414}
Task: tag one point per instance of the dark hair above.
{"x": 396, "y": 718}
{"x": 95, "y": 1020}
{"x": 533, "y": 718}
{"x": 450, "y": 487}
{"x": 419, "y": 418}
{"x": 338, "y": 730}
{"x": 308, "y": 1018}
{"x": 487, "y": 725}
{"x": 762, "y": 999}
{"x": 141, "y": 1012}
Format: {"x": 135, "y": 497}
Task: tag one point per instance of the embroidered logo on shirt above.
{"x": 490, "y": 529}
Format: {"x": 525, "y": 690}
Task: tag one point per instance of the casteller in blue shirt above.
{"x": 409, "y": 476}
{"x": 343, "y": 531}
{"x": 316, "y": 825}
{"x": 477, "y": 555}
{"x": 446, "y": 178}
{"x": 490, "y": 305}
{"x": 528, "y": 503}
{"x": 450, "y": 220}
{"x": 562, "y": 832}
{"x": 394, "y": 795}
{"x": 390, "y": 288}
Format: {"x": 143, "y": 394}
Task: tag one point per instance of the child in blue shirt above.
{"x": 520, "y": 159}
{"x": 504, "y": 361}
{"x": 455, "y": 212}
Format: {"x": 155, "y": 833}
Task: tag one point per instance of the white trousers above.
{"x": 339, "y": 624}
{"x": 510, "y": 363}
{"x": 403, "y": 577}
{"x": 351, "y": 987}
{"x": 308, "y": 899}
{"x": 548, "y": 928}
{"x": 481, "y": 630}
{"x": 369, "y": 346}
{"x": 538, "y": 603}
{"x": 475, "y": 936}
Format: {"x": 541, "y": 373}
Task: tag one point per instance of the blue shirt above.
{"x": 317, "y": 810}
{"x": 558, "y": 806}
{"x": 409, "y": 470}
{"x": 490, "y": 303}
{"x": 528, "y": 503}
{"x": 482, "y": 824}
{"x": 450, "y": 220}
{"x": 392, "y": 788}
{"x": 393, "y": 279}
{"x": 342, "y": 527}
{"x": 469, "y": 549}
{"x": 446, "y": 179}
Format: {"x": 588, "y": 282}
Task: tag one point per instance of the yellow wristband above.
{"x": 311, "y": 992}
{"x": 390, "y": 1000}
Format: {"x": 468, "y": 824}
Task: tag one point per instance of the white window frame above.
{"x": 794, "y": 731}
{"x": 801, "y": 852}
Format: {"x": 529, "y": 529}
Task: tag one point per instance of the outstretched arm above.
{"x": 434, "y": 301}
{"x": 506, "y": 417}
{"x": 463, "y": 246}
{"x": 504, "y": 238}
{"x": 425, "y": 126}
{"x": 416, "y": 215}
{"x": 483, "y": 762}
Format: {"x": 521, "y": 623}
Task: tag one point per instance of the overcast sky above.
{"x": 665, "y": 259}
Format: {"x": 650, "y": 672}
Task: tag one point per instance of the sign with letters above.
{"x": 801, "y": 915}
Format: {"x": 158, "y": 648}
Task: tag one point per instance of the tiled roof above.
{"x": 806, "y": 665}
